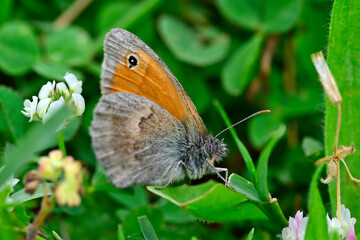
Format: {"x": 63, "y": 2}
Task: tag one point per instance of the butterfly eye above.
{"x": 132, "y": 61}
{"x": 209, "y": 148}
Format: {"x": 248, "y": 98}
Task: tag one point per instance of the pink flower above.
{"x": 297, "y": 227}
{"x": 351, "y": 235}
{"x": 344, "y": 228}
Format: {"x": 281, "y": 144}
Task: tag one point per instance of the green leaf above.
{"x": 147, "y": 229}
{"x": 9, "y": 222}
{"x": 312, "y": 18}
{"x": 54, "y": 71}
{"x": 69, "y": 46}
{"x": 317, "y": 225}
{"x": 19, "y": 48}
{"x": 6, "y": 8}
{"x": 173, "y": 213}
{"x": 211, "y": 202}
{"x": 121, "y": 234}
{"x": 21, "y": 213}
{"x": 189, "y": 46}
{"x": 135, "y": 13}
{"x": 239, "y": 69}
{"x": 343, "y": 60}
{"x": 137, "y": 199}
{"x": 244, "y": 186}
{"x": 262, "y": 166}
{"x": 68, "y": 133}
{"x": 11, "y": 106}
{"x": 273, "y": 211}
{"x": 131, "y": 223}
{"x": 109, "y": 13}
{"x": 250, "y": 235}
{"x": 301, "y": 104}
{"x": 261, "y": 128}
{"x": 271, "y": 16}
{"x": 129, "y": 18}
{"x": 33, "y": 142}
{"x": 269, "y": 205}
{"x": 244, "y": 152}
{"x": 38, "y": 7}
{"x": 21, "y": 196}
{"x": 311, "y": 147}
{"x": 198, "y": 90}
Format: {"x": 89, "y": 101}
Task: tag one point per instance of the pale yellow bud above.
{"x": 326, "y": 78}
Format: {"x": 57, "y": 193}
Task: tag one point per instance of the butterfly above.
{"x": 146, "y": 130}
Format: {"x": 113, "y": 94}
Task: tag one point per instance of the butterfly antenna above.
{"x": 252, "y": 115}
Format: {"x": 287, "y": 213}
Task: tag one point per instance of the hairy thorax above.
{"x": 199, "y": 152}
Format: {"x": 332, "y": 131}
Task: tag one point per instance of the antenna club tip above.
{"x": 263, "y": 111}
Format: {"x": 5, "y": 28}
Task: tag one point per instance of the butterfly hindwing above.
{"x": 137, "y": 141}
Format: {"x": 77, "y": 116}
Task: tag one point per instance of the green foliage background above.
{"x": 250, "y": 55}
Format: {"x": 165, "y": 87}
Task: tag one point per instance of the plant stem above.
{"x": 71, "y": 13}
{"x": 337, "y": 128}
{"x": 61, "y": 143}
{"x": 338, "y": 196}
{"x": 338, "y": 191}
{"x": 46, "y": 206}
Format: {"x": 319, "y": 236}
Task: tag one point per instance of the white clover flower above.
{"x": 30, "y": 109}
{"x": 42, "y": 107}
{"x": 53, "y": 96}
{"x": 79, "y": 103}
{"x": 342, "y": 227}
{"x": 46, "y": 90}
{"x": 62, "y": 89}
{"x": 296, "y": 229}
{"x": 74, "y": 84}
{"x": 53, "y": 108}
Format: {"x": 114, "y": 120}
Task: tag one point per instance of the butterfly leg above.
{"x": 172, "y": 176}
{"x": 226, "y": 173}
{"x": 218, "y": 170}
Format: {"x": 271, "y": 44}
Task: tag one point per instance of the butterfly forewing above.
{"x": 150, "y": 77}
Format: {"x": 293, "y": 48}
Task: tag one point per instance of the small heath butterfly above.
{"x": 146, "y": 130}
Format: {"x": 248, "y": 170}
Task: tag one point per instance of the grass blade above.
{"x": 147, "y": 229}
{"x": 262, "y": 166}
{"x": 244, "y": 152}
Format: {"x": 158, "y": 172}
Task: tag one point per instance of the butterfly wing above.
{"x": 137, "y": 141}
{"x": 150, "y": 77}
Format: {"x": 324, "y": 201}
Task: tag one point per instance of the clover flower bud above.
{"x": 79, "y": 103}
{"x": 30, "y": 109}
{"x": 74, "y": 84}
{"x": 68, "y": 191}
{"x": 62, "y": 89}
{"x": 42, "y": 107}
{"x": 46, "y": 90}
{"x": 50, "y": 166}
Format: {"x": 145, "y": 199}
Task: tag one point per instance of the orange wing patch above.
{"x": 194, "y": 111}
{"x": 149, "y": 79}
